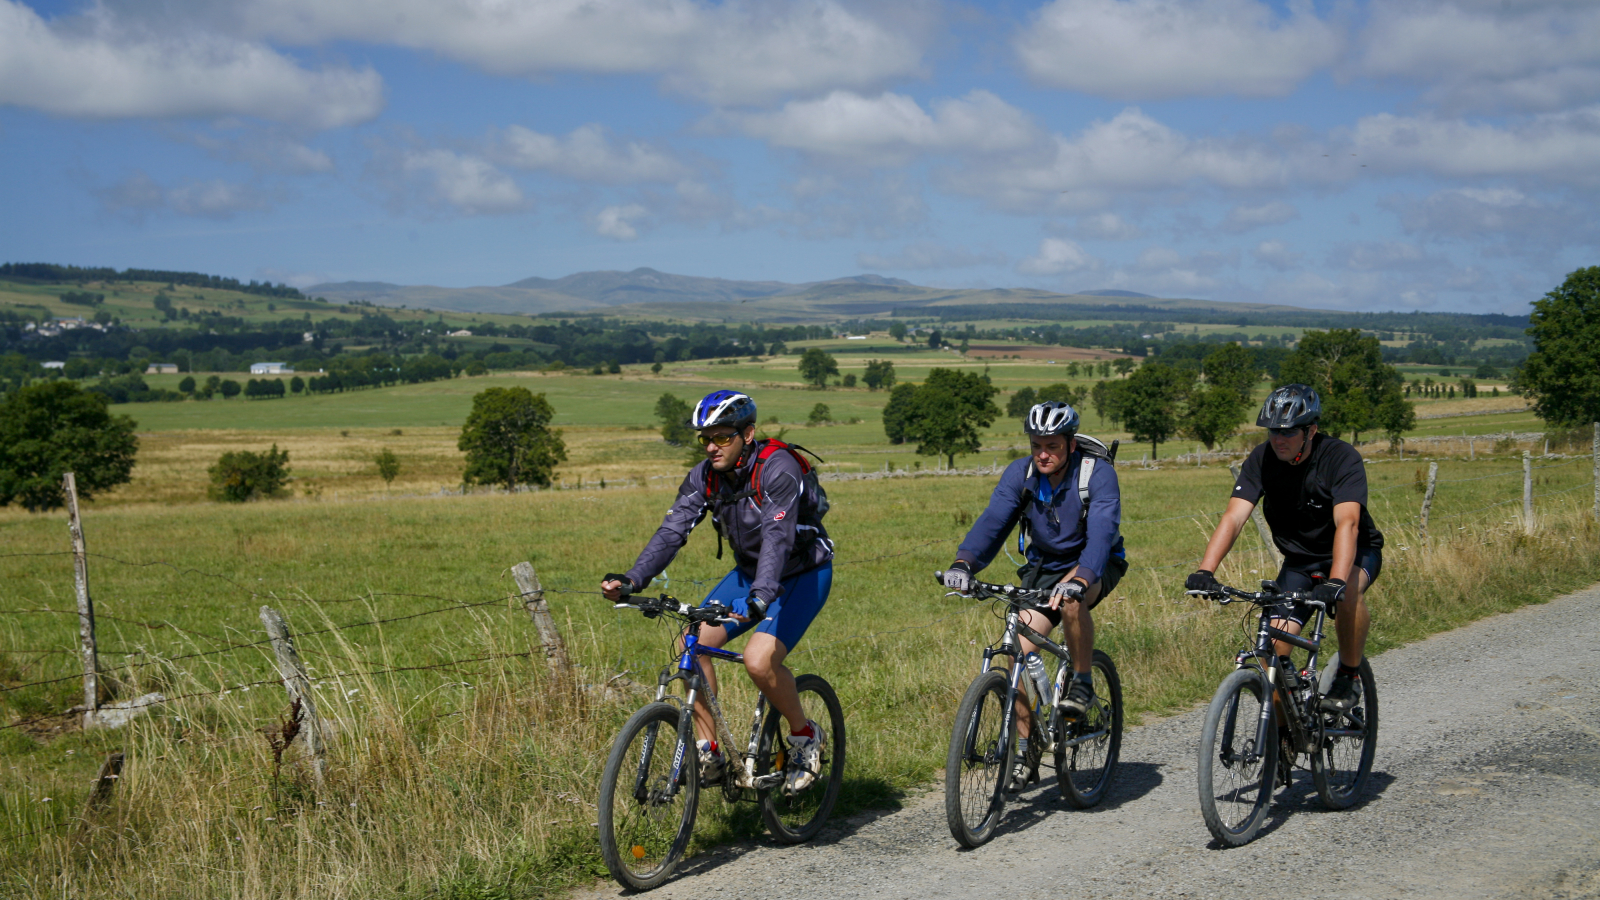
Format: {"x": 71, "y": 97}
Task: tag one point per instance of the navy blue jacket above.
{"x": 1055, "y": 539}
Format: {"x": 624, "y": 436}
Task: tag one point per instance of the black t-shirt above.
{"x": 1298, "y": 500}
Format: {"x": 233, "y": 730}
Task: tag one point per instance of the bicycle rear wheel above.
{"x": 1341, "y": 765}
{"x": 644, "y": 822}
{"x": 979, "y": 761}
{"x": 798, "y": 817}
{"x": 1084, "y": 771}
{"x": 1235, "y": 774}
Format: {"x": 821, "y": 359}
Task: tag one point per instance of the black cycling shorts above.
{"x": 1296, "y": 576}
{"x": 1043, "y": 575}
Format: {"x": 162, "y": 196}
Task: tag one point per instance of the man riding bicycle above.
{"x": 1075, "y": 551}
{"x": 1313, "y": 491}
{"x": 783, "y": 566}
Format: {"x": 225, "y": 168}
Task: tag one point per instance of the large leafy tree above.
{"x": 1359, "y": 392}
{"x": 1151, "y": 401}
{"x": 508, "y": 439}
{"x": 47, "y": 430}
{"x": 1215, "y": 411}
{"x": 894, "y": 412}
{"x": 945, "y": 415}
{"x": 243, "y": 475}
{"x": 674, "y": 415}
{"x": 1562, "y": 374}
{"x": 1023, "y": 400}
{"x": 817, "y": 366}
{"x": 879, "y": 374}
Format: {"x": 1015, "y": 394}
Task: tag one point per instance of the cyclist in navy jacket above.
{"x": 1075, "y": 552}
{"x": 783, "y": 567}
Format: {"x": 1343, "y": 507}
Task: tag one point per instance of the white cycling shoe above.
{"x": 805, "y": 759}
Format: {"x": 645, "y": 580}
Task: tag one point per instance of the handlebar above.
{"x": 1269, "y": 595}
{"x": 983, "y": 590}
{"x": 663, "y": 604}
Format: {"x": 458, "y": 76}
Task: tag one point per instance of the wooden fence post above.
{"x": 1427, "y": 501}
{"x": 100, "y": 794}
{"x": 1472, "y": 450}
{"x": 1261, "y": 527}
{"x": 80, "y": 571}
{"x": 1527, "y": 492}
{"x": 555, "y": 650}
{"x": 298, "y": 684}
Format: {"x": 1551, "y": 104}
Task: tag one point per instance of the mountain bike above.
{"x": 650, "y": 789}
{"x": 983, "y": 742}
{"x": 1265, "y": 707}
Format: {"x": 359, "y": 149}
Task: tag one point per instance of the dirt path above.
{"x": 1487, "y": 784}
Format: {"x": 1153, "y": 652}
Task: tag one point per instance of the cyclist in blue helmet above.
{"x": 1074, "y": 548}
{"x": 757, "y": 497}
{"x": 1313, "y": 492}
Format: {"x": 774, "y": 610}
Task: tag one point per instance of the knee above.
{"x": 759, "y": 666}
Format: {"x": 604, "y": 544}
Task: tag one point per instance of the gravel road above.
{"x": 1487, "y": 784}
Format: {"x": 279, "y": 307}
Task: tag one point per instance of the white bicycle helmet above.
{"x": 1052, "y": 417}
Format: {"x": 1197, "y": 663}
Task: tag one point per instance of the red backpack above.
{"x": 813, "y": 499}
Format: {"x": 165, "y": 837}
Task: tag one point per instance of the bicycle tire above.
{"x": 979, "y": 761}
{"x": 642, "y": 835}
{"x": 1235, "y": 809}
{"x": 1084, "y": 772}
{"x": 797, "y": 818}
{"x": 1341, "y": 765}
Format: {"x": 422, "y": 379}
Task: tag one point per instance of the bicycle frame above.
{"x": 1048, "y": 729}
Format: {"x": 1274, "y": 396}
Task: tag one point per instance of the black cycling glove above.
{"x": 1201, "y": 580}
{"x": 628, "y": 587}
{"x": 1329, "y": 591}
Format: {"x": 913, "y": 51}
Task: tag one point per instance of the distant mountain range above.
{"x": 648, "y": 293}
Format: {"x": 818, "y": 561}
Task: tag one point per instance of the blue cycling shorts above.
{"x": 790, "y": 614}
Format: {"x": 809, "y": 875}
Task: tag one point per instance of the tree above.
{"x": 1123, "y": 365}
{"x": 777, "y": 348}
{"x": 1107, "y": 398}
{"x": 1234, "y": 367}
{"x": 879, "y": 374}
{"x": 1215, "y": 411}
{"x": 1562, "y": 374}
{"x": 230, "y": 388}
{"x": 820, "y": 415}
{"x": 1023, "y": 400}
{"x": 1061, "y": 392}
{"x": 817, "y": 366}
{"x": 935, "y": 340}
{"x": 242, "y": 475}
{"x": 297, "y": 384}
{"x": 1359, "y": 392}
{"x": 894, "y": 412}
{"x": 508, "y": 440}
{"x": 1151, "y": 401}
{"x": 656, "y": 367}
{"x": 674, "y": 416}
{"x": 897, "y": 330}
{"x": 388, "y": 465}
{"x": 186, "y": 386}
{"x": 849, "y": 379}
{"x": 49, "y": 429}
{"x": 946, "y": 412}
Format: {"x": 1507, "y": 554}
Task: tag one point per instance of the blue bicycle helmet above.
{"x": 724, "y": 407}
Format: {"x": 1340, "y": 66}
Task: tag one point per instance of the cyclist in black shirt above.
{"x": 1313, "y": 490}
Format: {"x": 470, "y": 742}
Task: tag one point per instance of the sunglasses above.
{"x": 1284, "y": 432}
{"x": 721, "y": 440}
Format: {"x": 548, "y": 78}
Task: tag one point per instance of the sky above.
{"x": 1441, "y": 155}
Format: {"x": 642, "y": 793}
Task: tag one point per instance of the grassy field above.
{"x": 459, "y": 769}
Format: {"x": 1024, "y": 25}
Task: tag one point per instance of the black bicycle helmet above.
{"x": 724, "y": 408}
{"x": 1052, "y": 417}
{"x": 1291, "y": 406}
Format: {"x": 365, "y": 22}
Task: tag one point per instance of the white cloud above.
{"x": 1556, "y": 146}
{"x": 98, "y": 66}
{"x": 1499, "y": 217}
{"x": 1057, "y": 256}
{"x": 618, "y": 221}
{"x": 586, "y": 155}
{"x": 1162, "y": 49}
{"x": 1106, "y": 226}
{"x": 1384, "y": 256}
{"x": 890, "y": 129}
{"x": 263, "y": 150}
{"x": 468, "y": 183}
{"x": 1481, "y": 56}
{"x": 1246, "y": 218}
{"x": 925, "y": 255}
{"x": 1131, "y": 152}
{"x": 140, "y": 195}
{"x": 1277, "y": 255}
{"x": 728, "y": 53}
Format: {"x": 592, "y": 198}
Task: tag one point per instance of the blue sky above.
{"x": 1429, "y": 154}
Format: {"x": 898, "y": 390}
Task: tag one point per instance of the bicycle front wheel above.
{"x": 646, "y": 819}
{"x": 1339, "y": 768}
{"x": 1235, "y": 774}
{"x": 979, "y": 761}
{"x": 796, "y": 817}
{"x": 1084, "y": 770}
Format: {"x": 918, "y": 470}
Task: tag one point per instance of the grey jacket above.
{"x": 768, "y": 541}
